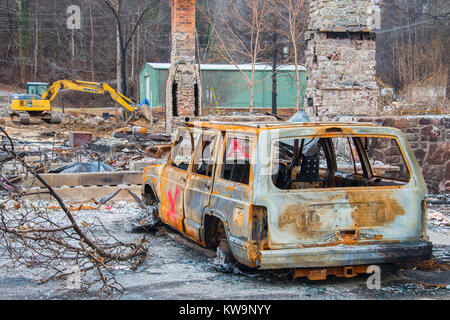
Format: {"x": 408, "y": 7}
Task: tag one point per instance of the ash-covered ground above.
{"x": 178, "y": 269}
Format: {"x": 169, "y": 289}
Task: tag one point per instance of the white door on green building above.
{"x": 147, "y": 88}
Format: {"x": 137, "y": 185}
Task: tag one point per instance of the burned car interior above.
{"x": 236, "y": 160}
{"x": 338, "y": 162}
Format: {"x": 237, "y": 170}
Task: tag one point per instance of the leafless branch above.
{"x": 53, "y": 242}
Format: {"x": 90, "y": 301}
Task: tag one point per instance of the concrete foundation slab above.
{"x": 87, "y": 179}
{"x": 81, "y": 194}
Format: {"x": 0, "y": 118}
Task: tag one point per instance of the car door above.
{"x": 173, "y": 180}
{"x": 200, "y": 181}
{"x": 232, "y": 191}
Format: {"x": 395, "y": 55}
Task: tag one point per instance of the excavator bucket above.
{"x": 146, "y": 112}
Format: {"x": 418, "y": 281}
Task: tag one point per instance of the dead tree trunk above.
{"x": 36, "y": 42}
{"x": 92, "y": 43}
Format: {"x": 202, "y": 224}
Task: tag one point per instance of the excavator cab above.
{"x": 37, "y": 88}
{"x": 31, "y": 104}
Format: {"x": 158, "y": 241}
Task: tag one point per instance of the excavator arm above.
{"x": 84, "y": 86}
{"x": 120, "y": 98}
{"x": 90, "y": 87}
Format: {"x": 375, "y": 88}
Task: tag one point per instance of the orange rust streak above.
{"x": 231, "y": 189}
{"x": 247, "y": 129}
{"x": 304, "y": 221}
{"x": 350, "y": 243}
{"x": 385, "y": 214}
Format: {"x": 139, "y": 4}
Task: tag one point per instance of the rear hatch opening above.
{"x": 341, "y": 188}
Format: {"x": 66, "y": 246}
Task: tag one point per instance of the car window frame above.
{"x": 216, "y": 151}
{"x": 365, "y": 156}
{"x": 170, "y": 160}
{"x": 220, "y": 156}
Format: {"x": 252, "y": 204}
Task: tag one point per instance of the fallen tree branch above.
{"x": 35, "y": 238}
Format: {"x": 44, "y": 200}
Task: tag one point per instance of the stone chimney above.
{"x": 183, "y": 86}
{"x": 340, "y": 59}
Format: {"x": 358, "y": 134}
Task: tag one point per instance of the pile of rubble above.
{"x": 439, "y": 210}
{"x": 124, "y": 151}
{"x": 438, "y": 218}
{"x": 92, "y": 123}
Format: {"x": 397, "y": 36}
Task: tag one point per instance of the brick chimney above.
{"x": 183, "y": 87}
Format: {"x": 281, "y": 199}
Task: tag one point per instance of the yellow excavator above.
{"x": 37, "y": 101}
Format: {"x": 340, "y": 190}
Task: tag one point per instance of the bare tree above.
{"x": 36, "y": 41}
{"x": 123, "y": 38}
{"x": 23, "y": 34}
{"x": 54, "y": 243}
{"x": 19, "y": 38}
{"x": 293, "y": 13}
{"x": 238, "y": 32}
{"x": 91, "y": 49}
{"x": 413, "y": 41}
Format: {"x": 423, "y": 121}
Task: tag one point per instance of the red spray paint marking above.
{"x": 172, "y": 214}
{"x": 237, "y": 147}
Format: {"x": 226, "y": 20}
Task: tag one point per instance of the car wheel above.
{"x": 224, "y": 260}
{"x": 227, "y": 254}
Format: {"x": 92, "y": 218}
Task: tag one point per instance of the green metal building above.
{"x": 228, "y": 85}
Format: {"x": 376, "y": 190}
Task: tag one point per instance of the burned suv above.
{"x": 319, "y": 198}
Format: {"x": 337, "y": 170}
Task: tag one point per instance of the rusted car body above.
{"x": 283, "y": 196}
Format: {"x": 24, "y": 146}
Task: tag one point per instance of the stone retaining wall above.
{"x": 429, "y": 137}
